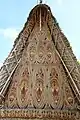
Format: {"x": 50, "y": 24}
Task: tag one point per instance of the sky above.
{"x": 14, "y": 13}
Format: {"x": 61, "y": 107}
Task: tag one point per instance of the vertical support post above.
{"x": 40, "y": 1}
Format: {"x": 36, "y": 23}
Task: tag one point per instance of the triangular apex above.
{"x": 41, "y": 71}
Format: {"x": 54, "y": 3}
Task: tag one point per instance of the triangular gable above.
{"x": 41, "y": 71}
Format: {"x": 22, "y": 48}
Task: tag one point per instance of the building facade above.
{"x": 40, "y": 79}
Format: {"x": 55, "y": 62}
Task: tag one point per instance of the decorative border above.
{"x": 39, "y": 113}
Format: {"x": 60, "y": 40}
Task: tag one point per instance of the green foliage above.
{"x": 79, "y": 61}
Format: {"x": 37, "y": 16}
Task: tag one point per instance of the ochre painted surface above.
{"x": 40, "y": 87}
